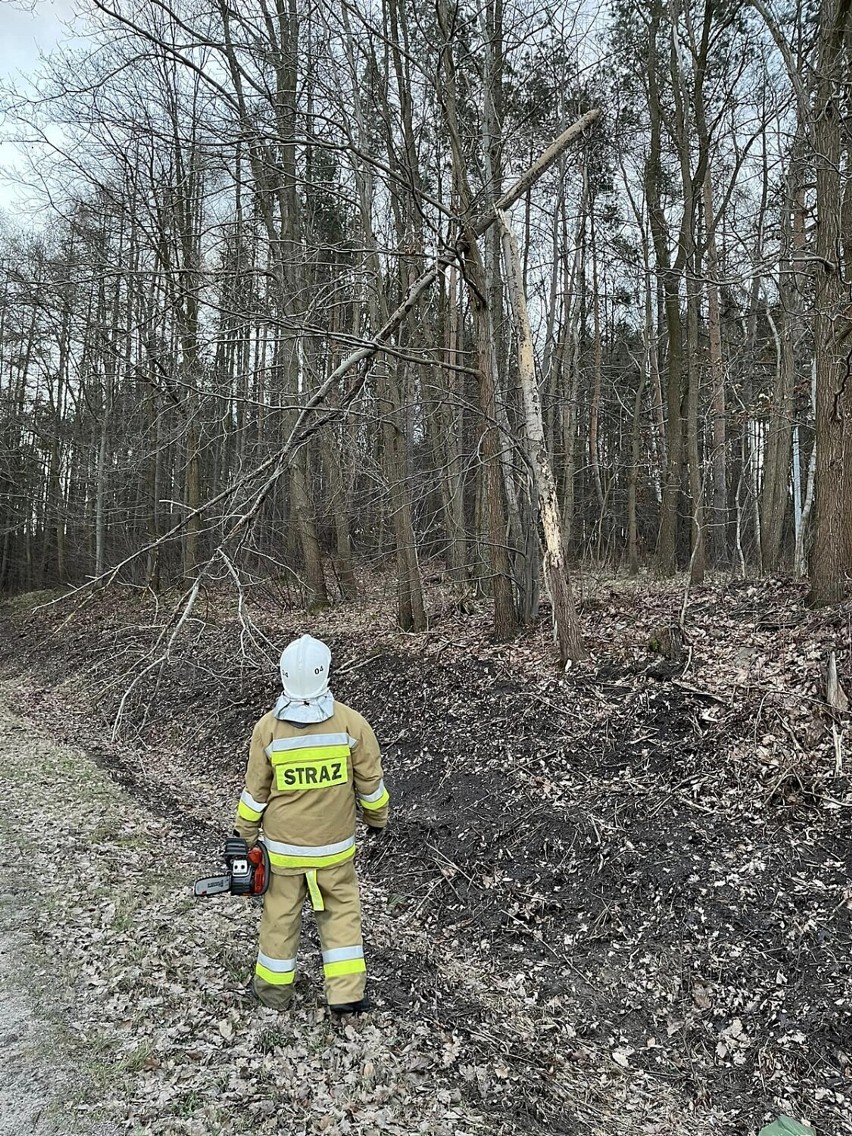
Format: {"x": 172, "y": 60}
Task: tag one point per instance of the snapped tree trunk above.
{"x": 566, "y": 623}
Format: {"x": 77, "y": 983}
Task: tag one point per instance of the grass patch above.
{"x": 136, "y": 1060}
{"x": 271, "y": 1039}
{"x": 186, "y": 1106}
{"x": 25, "y": 602}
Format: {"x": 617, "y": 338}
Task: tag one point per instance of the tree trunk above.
{"x": 411, "y": 612}
{"x": 316, "y": 596}
{"x": 696, "y": 486}
{"x": 635, "y": 454}
{"x": 505, "y": 614}
{"x": 832, "y": 551}
{"x": 597, "y": 375}
{"x": 670, "y": 280}
{"x": 445, "y": 421}
{"x": 411, "y": 609}
{"x": 566, "y": 623}
{"x": 717, "y": 526}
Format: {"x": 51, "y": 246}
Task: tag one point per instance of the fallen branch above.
{"x": 161, "y": 659}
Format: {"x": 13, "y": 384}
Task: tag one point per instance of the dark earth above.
{"x": 621, "y": 841}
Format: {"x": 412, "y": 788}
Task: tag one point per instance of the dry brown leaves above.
{"x": 613, "y": 900}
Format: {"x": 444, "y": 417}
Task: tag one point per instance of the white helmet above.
{"x": 305, "y": 664}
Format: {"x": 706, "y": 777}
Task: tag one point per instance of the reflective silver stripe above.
{"x": 342, "y": 954}
{"x": 307, "y": 850}
{"x": 310, "y": 741}
{"x": 249, "y": 800}
{"x": 369, "y": 797}
{"x": 279, "y": 966}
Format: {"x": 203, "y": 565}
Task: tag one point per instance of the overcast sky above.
{"x": 28, "y": 29}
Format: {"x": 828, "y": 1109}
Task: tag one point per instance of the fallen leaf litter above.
{"x": 610, "y": 900}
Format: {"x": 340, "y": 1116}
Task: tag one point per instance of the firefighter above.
{"x": 310, "y": 757}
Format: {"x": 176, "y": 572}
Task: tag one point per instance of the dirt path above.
{"x": 25, "y": 1086}
{"x": 37, "y": 1068}
{"x": 24, "y": 1090}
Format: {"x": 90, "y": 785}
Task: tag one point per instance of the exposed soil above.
{"x": 644, "y": 864}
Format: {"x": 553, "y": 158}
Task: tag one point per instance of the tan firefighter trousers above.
{"x": 334, "y": 897}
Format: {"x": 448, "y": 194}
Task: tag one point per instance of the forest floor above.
{"x": 616, "y": 900}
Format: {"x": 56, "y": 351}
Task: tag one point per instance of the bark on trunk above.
{"x": 696, "y": 487}
{"x": 566, "y": 623}
{"x": 832, "y": 550}
{"x": 717, "y": 526}
{"x": 316, "y": 595}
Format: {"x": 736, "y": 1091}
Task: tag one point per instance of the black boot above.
{"x": 362, "y": 1006}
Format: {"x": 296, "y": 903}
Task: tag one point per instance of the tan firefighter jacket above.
{"x": 301, "y": 785}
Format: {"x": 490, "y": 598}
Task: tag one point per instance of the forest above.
{"x": 505, "y": 348}
{"x": 302, "y": 297}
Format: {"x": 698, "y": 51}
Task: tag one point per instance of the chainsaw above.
{"x": 246, "y": 871}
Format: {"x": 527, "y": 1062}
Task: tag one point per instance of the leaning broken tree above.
{"x": 246, "y": 496}
{"x": 565, "y": 623}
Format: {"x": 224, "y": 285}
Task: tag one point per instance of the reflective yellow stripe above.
{"x": 280, "y": 861}
{"x": 348, "y": 966}
{"x": 273, "y": 977}
{"x": 250, "y": 809}
{"x": 374, "y": 796}
{"x": 316, "y": 895}
{"x": 248, "y": 813}
{"x": 379, "y": 804}
{"x": 310, "y": 753}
